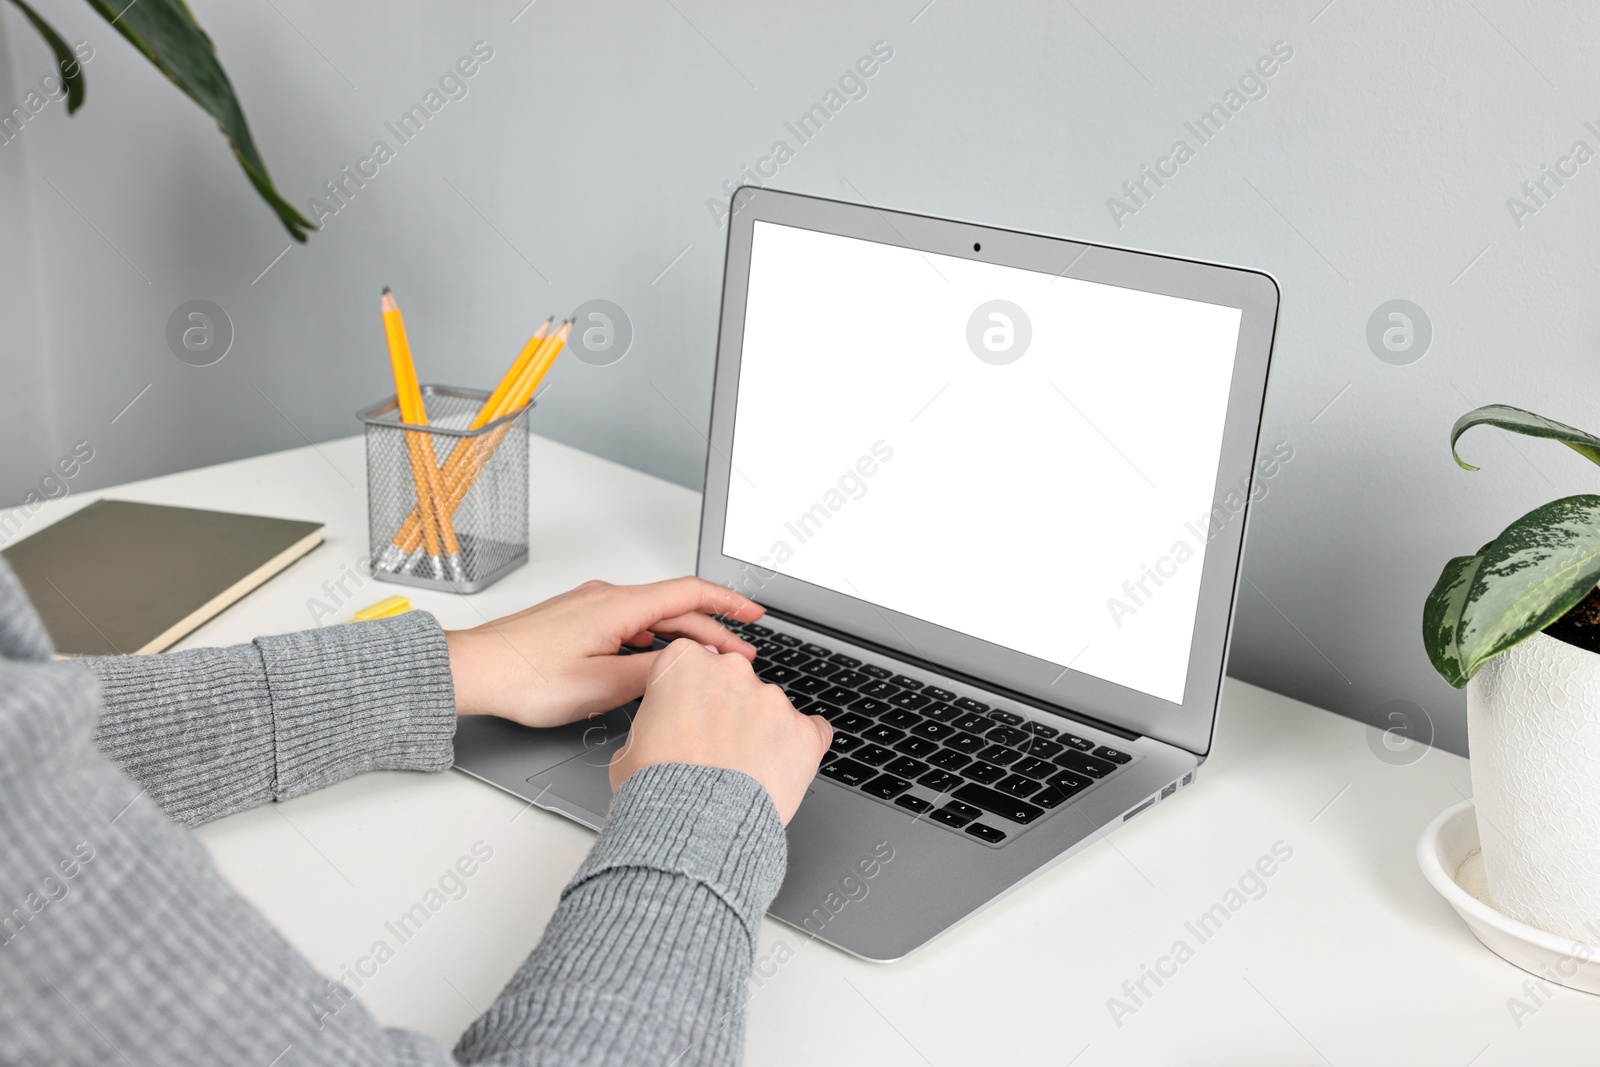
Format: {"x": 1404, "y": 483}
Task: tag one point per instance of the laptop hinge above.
{"x": 976, "y": 683}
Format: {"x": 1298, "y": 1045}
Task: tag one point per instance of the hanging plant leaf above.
{"x": 167, "y": 34}
{"x": 71, "y": 70}
{"x": 1524, "y": 422}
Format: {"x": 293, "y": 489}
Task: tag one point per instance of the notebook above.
{"x": 120, "y": 577}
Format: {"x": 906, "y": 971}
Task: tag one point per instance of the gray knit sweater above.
{"x": 121, "y": 944}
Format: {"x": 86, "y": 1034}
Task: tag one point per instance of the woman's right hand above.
{"x": 711, "y": 710}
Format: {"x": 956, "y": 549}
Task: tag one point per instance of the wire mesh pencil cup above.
{"x": 479, "y": 480}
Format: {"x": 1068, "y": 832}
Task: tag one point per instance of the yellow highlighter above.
{"x": 383, "y": 609}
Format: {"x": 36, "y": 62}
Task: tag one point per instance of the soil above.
{"x": 1581, "y": 625}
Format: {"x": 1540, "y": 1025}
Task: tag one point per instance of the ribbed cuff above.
{"x": 359, "y": 697}
{"x": 716, "y": 826}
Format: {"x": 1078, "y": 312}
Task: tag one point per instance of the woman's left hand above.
{"x": 557, "y": 662}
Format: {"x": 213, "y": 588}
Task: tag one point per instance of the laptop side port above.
{"x": 1134, "y": 811}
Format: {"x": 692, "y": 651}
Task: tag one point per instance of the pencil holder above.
{"x": 447, "y": 505}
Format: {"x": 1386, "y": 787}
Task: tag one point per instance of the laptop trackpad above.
{"x": 584, "y": 781}
{"x": 574, "y": 785}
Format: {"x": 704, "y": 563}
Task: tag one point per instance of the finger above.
{"x": 645, "y": 605}
{"x": 642, "y": 639}
{"x": 707, "y": 631}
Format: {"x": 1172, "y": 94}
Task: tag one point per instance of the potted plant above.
{"x": 1518, "y": 625}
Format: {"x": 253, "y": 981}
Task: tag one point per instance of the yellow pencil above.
{"x": 520, "y": 395}
{"x": 459, "y": 477}
{"x": 410, "y": 535}
{"x": 515, "y": 399}
{"x": 539, "y": 368}
{"x": 438, "y": 534}
{"x": 491, "y": 409}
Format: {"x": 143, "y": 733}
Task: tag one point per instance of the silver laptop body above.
{"x": 992, "y": 488}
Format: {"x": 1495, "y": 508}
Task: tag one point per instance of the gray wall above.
{"x": 1377, "y": 166}
{"x": 27, "y": 402}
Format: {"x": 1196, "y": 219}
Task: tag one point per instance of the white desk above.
{"x": 1348, "y": 958}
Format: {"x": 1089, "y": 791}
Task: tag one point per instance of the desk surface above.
{"x": 1343, "y": 956}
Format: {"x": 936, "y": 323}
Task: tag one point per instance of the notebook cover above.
{"x": 120, "y": 577}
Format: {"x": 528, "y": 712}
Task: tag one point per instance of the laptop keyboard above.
{"x": 972, "y": 768}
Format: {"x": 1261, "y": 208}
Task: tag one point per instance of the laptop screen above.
{"x": 1025, "y": 458}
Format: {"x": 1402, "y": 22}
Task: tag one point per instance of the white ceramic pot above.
{"x": 1533, "y": 728}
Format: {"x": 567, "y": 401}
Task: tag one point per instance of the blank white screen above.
{"x": 876, "y": 455}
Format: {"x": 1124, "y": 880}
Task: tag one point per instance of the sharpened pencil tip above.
{"x": 387, "y": 290}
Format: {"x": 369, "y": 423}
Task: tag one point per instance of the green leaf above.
{"x": 1517, "y": 584}
{"x": 1441, "y": 616}
{"x": 1524, "y": 422}
{"x": 71, "y": 70}
{"x": 167, "y": 34}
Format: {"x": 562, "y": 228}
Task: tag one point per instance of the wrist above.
{"x": 467, "y": 672}
{"x": 714, "y": 825}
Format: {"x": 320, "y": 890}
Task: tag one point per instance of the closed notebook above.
{"x": 120, "y": 577}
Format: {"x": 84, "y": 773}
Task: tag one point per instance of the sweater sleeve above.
{"x": 212, "y": 731}
{"x": 647, "y": 957}
{"x": 121, "y": 943}
{"x": 124, "y": 944}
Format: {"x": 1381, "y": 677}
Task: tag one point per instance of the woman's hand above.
{"x": 713, "y": 711}
{"x": 557, "y": 661}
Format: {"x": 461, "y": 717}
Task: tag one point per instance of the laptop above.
{"x": 991, "y": 487}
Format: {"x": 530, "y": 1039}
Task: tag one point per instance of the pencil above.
{"x": 491, "y": 409}
{"x": 438, "y": 535}
{"x": 540, "y": 367}
{"x": 458, "y": 477}
{"x": 516, "y": 398}
{"x": 519, "y": 397}
{"x": 408, "y": 538}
